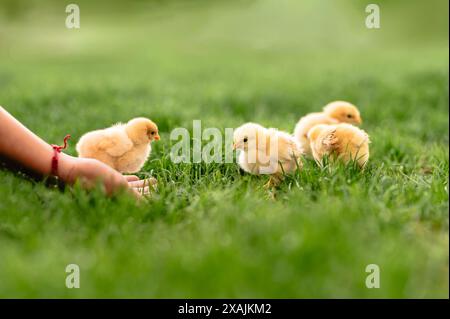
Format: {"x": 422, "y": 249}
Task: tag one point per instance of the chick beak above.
{"x": 156, "y": 137}
{"x": 234, "y": 146}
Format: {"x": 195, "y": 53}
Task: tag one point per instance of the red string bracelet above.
{"x": 56, "y": 150}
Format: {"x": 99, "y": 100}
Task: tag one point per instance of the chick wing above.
{"x": 115, "y": 142}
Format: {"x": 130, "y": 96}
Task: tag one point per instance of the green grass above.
{"x": 211, "y": 231}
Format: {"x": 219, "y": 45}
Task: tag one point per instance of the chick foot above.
{"x": 273, "y": 182}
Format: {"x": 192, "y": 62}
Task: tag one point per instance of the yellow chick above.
{"x": 342, "y": 141}
{"x": 266, "y": 151}
{"x": 124, "y": 147}
{"x": 333, "y": 113}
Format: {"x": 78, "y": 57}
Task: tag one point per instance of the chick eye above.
{"x": 245, "y": 140}
{"x": 153, "y": 133}
{"x": 349, "y": 116}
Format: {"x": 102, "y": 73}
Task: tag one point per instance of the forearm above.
{"x": 21, "y": 145}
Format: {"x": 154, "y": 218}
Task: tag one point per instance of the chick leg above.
{"x": 274, "y": 181}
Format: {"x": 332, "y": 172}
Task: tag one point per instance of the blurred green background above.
{"x": 198, "y": 46}
{"x": 211, "y": 232}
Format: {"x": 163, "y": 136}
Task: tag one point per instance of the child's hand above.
{"x": 91, "y": 171}
{"x": 20, "y": 145}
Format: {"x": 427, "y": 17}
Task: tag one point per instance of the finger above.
{"x": 143, "y": 182}
{"x": 115, "y": 183}
{"x": 139, "y": 183}
{"x": 143, "y": 190}
{"x": 131, "y": 178}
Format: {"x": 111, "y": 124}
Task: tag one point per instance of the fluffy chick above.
{"x": 124, "y": 147}
{"x": 333, "y": 113}
{"x": 342, "y": 141}
{"x": 266, "y": 151}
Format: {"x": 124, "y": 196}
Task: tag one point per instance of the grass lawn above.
{"x": 211, "y": 231}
